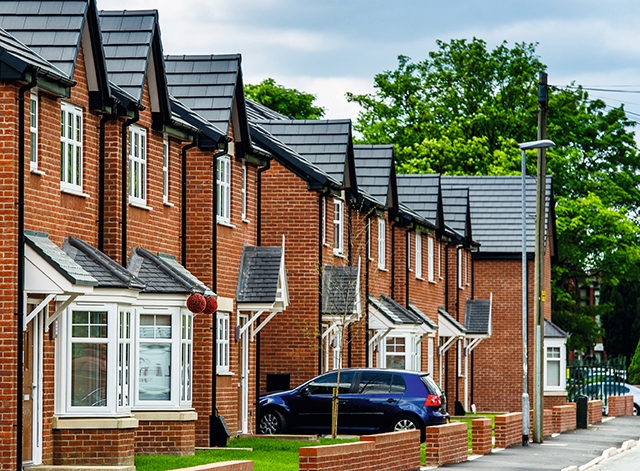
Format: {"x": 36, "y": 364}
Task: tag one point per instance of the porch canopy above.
{"x": 386, "y": 316}
{"x": 50, "y": 272}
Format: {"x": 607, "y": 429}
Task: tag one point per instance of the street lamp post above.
{"x": 541, "y": 144}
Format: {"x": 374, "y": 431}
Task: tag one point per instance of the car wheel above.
{"x": 406, "y": 422}
{"x": 272, "y": 422}
{"x": 636, "y": 409}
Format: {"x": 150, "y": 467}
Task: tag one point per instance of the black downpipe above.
{"x": 214, "y": 287}
{"x": 393, "y": 260}
{"x": 125, "y": 179}
{"x": 406, "y": 268}
{"x": 21, "y": 298}
{"x": 367, "y": 249}
{"x": 458, "y": 355}
{"x": 320, "y": 232}
{"x": 350, "y": 263}
{"x": 259, "y": 243}
{"x": 102, "y": 169}
{"x": 183, "y": 232}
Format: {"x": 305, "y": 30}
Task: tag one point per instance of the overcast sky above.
{"x": 329, "y": 47}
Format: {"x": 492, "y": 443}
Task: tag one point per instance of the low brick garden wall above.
{"x": 564, "y": 417}
{"x": 594, "y": 411}
{"x": 620, "y": 406}
{"x": 396, "y": 451}
{"x": 481, "y": 438}
{"x": 446, "y": 444}
{"x": 508, "y": 429}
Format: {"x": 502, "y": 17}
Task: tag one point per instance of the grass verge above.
{"x": 267, "y": 454}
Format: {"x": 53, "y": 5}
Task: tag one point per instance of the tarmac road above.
{"x": 570, "y": 449}
{"x": 624, "y": 461}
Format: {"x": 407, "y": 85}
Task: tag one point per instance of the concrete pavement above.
{"x": 577, "y": 450}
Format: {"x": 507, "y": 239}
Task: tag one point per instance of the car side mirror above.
{"x": 305, "y": 392}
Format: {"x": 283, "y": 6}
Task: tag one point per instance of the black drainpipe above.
{"x": 214, "y": 287}
{"x": 259, "y": 243}
{"x": 393, "y": 260}
{"x": 367, "y": 248}
{"x": 350, "y": 263}
{"x": 183, "y": 233}
{"x": 406, "y": 269}
{"x": 125, "y": 176}
{"x": 102, "y": 168}
{"x": 320, "y": 232}
{"x": 21, "y": 298}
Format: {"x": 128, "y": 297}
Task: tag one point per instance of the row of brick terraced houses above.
{"x": 134, "y": 181}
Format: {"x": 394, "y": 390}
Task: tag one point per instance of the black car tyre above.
{"x": 272, "y": 422}
{"x": 404, "y": 422}
{"x": 636, "y": 409}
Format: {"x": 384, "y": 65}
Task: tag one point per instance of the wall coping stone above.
{"x": 94, "y": 423}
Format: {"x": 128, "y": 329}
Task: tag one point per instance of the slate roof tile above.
{"x": 339, "y": 289}
{"x": 477, "y": 316}
{"x": 259, "y": 273}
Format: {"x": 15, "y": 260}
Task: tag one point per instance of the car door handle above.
{"x": 342, "y": 403}
{"x": 391, "y": 400}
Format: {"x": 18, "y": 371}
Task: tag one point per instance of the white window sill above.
{"x": 35, "y": 171}
{"x": 226, "y": 224}
{"x": 69, "y": 191}
{"x": 168, "y": 205}
{"x": 419, "y": 278}
{"x": 339, "y": 254}
{"x": 383, "y": 268}
{"x": 433, "y": 282}
{"x": 246, "y": 221}
{"x": 140, "y": 205}
{"x": 225, "y": 373}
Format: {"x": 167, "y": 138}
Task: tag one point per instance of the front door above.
{"x": 31, "y": 392}
{"x": 243, "y": 386}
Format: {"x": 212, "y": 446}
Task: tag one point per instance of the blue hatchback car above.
{"x": 370, "y": 401}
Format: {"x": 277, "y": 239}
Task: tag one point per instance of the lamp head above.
{"x": 542, "y": 144}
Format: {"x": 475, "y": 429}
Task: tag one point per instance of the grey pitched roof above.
{"x": 258, "y": 112}
{"x": 258, "y": 276}
{"x": 207, "y": 84}
{"x": 375, "y": 172}
{"x": 393, "y": 311}
{"x": 106, "y": 271}
{"x": 325, "y": 143}
{"x": 449, "y": 318}
{"x": 339, "y": 289}
{"x": 414, "y": 309}
{"x": 18, "y": 56}
{"x": 128, "y": 38}
{"x": 456, "y": 210}
{"x": 58, "y": 259}
{"x": 553, "y": 331}
{"x": 210, "y": 135}
{"x": 477, "y": 316}
{"x": 163, "y": 274}
{"x": 421, "y": 194}
{"x": 496, "y": 211}
{"x": 315, "y": 177}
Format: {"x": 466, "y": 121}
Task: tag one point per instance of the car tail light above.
{"x": 432, "y": 400}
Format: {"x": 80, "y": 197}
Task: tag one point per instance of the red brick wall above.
{"x": 93, "y": 447}
{"x": 446, "y": 444}
{"x": 508, "y": 429}
{"x": 620, "y": 405}
{"x": 564, "y": 417}
{"x": 397, "y": 451}
{"x": 481, "y": 438}
{"x": 595, "y": 411}
{"x": 165, "y": 438}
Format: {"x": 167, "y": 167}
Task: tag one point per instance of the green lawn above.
{"x": 267, "y": 454}
{"x": 469, "y": 417}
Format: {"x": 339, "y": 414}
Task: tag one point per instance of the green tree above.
{"x": 622, "y": 321}
{"x": 633, "y": 376}
{"x": 286, "y": 101}
{"x": 462, "y": 110}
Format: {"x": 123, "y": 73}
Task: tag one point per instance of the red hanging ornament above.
{"x": 196, "y": 303}
{"x": 212, "y": 305}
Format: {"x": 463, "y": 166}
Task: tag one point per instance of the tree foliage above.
{"x": 634, "y": 367}
{"x": 462, "y": 110}
{"x": 621, "y": 321}
{"x": 286, "y": 101}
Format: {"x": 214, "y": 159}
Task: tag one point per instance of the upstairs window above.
{"x": 418, "y": 254}
{"x": 431, "y": 260}
{"x": 338, "y": 227}
{"x": 165, "y": 171}
{"x": 222, "y": 354}
{"x": 137, "y": 165}
{"x": 70, "y": 147}
{"x": 382, "y": 244}
{"x": 223, "y": 179}
{"x": 33, "y": 131}
{"x": 244, "y": 191}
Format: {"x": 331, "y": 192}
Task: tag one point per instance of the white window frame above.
{"x": 137, "y": 178}
{"x": 369, "y": 257}
{"x": 125, "y": 351}
{"x": 223, "y": 180}
{"x": 34, "y": 106}
{"x": 324, "y": 221}
{"x": 223, "y": 359}
{"x": 412, "y": 351}
{"x": 186, "y": 356}
{"x": 560, "y": 346}
{"x": 70, "y": 148}
{"x": 440, "y": 260}
{"x": 382, "y": 244}
{"x": 460, "y": 267}
{"x": 430, "y": 260}
{"x": 418, "y": 251}
{"x": 244, "y": 191}
{"x": 338, "y": 226}
{"x": 166, "y": 152}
